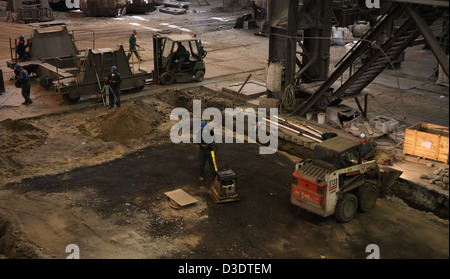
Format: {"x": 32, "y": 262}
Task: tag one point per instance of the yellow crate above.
{"x": 427, "y": 141}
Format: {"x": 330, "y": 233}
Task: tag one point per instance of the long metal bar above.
{"x": 293, "y": 130}
{"x": 430, "y": 38}
{"x": 300, "y": 127}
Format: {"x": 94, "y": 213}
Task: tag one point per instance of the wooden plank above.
{"x": 181, "y": 197}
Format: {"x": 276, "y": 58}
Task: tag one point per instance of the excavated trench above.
{"x": 414, "y": 195}
{"x": 12, "y": 246}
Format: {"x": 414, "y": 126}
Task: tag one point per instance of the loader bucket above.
{"x": 389, "y": 176}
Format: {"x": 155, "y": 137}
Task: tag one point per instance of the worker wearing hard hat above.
{"x": 114, "y": 79}
{"x": 21, "y": 48}
{"x": 133, "y": 45}
{"x": 23, "y": 82}
{"x": 367, "y": 148}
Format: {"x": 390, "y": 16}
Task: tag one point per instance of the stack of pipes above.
{"x": 301, "y": 130}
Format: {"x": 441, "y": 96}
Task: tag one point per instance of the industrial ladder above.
{"x": 392, "y": 48}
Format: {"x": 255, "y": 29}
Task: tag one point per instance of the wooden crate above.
{"x": 427, "y": 141}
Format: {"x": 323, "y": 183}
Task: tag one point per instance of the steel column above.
{"x": 282, "y": 22}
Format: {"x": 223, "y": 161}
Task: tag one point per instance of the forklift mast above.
{"x": 158, "y": 43}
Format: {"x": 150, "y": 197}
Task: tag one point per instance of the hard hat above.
{"x": 362, "y": 136}
{"x": 21, "y": 37}
{"x": 203, "y": 124}
{"x": 134, "y": 30}
{"x": 17, "y": 66}
{"x": 113, "y": 69}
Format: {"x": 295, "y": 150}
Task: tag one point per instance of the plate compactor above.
{"x": 223, "y": 186}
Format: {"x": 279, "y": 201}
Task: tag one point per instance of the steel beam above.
{"x": 353, "y": 56}
{"x": 430, "y": 38}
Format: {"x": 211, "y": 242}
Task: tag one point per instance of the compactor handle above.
{"x": 213, "y": 156}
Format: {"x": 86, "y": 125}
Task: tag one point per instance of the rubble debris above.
{"x": 383, "y": 158}
{"x": 441, "y": 177}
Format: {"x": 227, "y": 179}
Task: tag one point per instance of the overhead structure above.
{"x": 304, "y": 29}
{"x": 381, "y": 56}
{"x": 299, "y": 43}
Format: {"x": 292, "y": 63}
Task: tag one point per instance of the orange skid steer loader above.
{"x": 337, "y": 181}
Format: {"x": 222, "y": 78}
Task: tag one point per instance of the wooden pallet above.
{"x": 421, "y": 160}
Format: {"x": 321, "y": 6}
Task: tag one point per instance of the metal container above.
{"x": 103, "y": 7}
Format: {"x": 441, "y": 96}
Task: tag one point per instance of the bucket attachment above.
{"x": 223, "y": 187}
{"x": 390, "y": 175}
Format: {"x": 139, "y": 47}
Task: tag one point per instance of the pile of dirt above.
{"x": 130, "y": 121}
{"x": 184, "y": 99}
{"x": 17, "y": 136}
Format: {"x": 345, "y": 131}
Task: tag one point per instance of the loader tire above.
{"x": 367, "y": 197}
{"x": 346, "y": 208}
